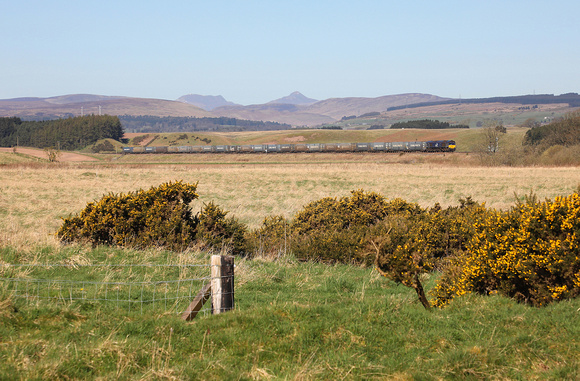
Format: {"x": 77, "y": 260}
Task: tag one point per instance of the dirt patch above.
{"x": 64, "y": 156}
{"x": 295, "y": 139}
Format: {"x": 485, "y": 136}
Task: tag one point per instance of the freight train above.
{"x": 428, "y": 146}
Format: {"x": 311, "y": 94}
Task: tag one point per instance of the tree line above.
{"x": 426, "y": 124}
{"x": 146, "y": 123}
{"x": 68, "y": 134}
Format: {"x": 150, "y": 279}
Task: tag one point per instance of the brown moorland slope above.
{"x": 38, "y": 107}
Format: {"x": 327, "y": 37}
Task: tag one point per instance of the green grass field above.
{"x": 291, "y": 321}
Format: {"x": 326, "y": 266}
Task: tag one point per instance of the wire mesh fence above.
{"x": 144, "y": 288}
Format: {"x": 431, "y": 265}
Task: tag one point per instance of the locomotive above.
{"x": 428, "y": 146}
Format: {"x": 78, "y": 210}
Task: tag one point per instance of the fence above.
{"x": 144, "y": 288}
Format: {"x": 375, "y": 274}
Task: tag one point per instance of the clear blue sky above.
{"x": 256, "y": 51}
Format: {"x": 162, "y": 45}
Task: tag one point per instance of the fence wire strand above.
{"x": 134, "y": 288}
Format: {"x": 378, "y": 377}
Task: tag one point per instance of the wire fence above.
{"x": 144, "y": 288}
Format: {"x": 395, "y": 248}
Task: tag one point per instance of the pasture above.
{"x": 292, "y": 320}
{"x": 34, "y": 198}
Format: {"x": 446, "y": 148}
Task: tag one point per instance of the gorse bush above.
{"x": 530, "y": 253}
{"x": 158, "y": 217}
{"x": 332, "y": 230}
{"x": 410, "y": 244}
{"x": 217, "y": 231}
{"x": 271, "y": 239}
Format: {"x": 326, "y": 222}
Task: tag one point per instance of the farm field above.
{"x": 33, "y": 198}
{"x": 292, "y": 320}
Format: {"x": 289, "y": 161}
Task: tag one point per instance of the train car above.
{"x": 272, "y": 148}
{"x": 286, "y": 148}
{"x": 398, "y": 146}
{"x": 376, "y": 147}
{"x": 362, "y": 147}
{"x": 185, "y": 149}
{"x": 153, "y": 149}
{"x": 258, "y": 148}
{"x": 415, "y": 146}
{"x": 346, "y": 147}
{"x": 223, "y": 149}
{"x": 300, "y": 148}
{"x": 128, "y": 149}
{"x": 314, "y": 147}
{"x": 329, "y": 147}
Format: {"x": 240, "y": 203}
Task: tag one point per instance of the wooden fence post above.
{"x": 222, "y": 283}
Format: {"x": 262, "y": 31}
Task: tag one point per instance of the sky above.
{"x": 252, "y": 52}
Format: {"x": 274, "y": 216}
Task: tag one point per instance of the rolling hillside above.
{"x": 299, "y": 110}
{"x": 75, "y": 105}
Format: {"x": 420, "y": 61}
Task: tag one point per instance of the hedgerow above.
{"x": 530, "y": 253}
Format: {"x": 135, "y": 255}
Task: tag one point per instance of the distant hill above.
{"x": 336, "y": 108}
{"x": 274, "y": 112}
{"x": 326, "y": 111}
{"x": 294, "y": 109}
{"x": 296, "y": 98}
{"x": 75, "y": 105}
{"x": 206, "y": 102}
{"x": 79, "y": 98}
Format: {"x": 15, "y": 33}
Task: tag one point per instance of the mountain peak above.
{"x": 206, "y": 102}
{"x": 295, "y": 98}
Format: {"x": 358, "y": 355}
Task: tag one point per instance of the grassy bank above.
{"x": 292, "y": 321}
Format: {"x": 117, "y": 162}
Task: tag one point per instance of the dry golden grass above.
{"x": 33, "y": 199}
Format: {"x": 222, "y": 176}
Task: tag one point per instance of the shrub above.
{"x": 271, "y": 239}
{"x": 218, "y": 232}
{"x": 104, "y": 146}
{"x": 410, "y": 244}
{"x": 334, "y": 230}
{"x": 159, "y": 216}
{"x": 530, "y": 253}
